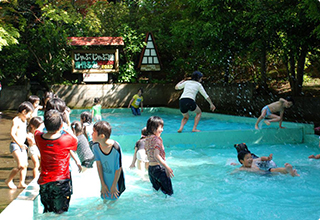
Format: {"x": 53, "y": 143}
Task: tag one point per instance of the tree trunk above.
{"x": 300, "y": 70}
{"x": 264, "y": 67}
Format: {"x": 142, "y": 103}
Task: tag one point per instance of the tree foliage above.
{"x": 229, "y": 40}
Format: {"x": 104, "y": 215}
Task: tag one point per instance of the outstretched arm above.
{"x": 177, "y": 87}
{"x": 212, "y": 107}
{"x": 130, "y": 103}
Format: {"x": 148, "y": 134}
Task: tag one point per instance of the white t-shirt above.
{"x": 191, "y": 88}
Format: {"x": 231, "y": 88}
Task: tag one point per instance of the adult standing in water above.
{"x": 187, "y": 100}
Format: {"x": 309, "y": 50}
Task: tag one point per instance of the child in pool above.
{"x": 17, "y": 146}
{"x": 108, "y": 157}
{"x": 96, "y": 110}
{"x": 135, "y": 103}
{"x": 187, "y": 101}
{"x": 86, "y": 121}
{"x": 250, "y": 164}
{"x": 55, "y": 179}
{"x": 269, "y": 111}
{"x": 160, "y": 173}
{"x": 140, "y": 152}
{"x": 33, "y": 150}
{"x": 264, "y": 163}
{"x": 83, "y": 149}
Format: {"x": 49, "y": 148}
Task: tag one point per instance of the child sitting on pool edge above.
{"x": 249, "y": 164}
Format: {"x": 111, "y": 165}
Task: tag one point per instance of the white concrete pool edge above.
{"x": 26, "y": 205}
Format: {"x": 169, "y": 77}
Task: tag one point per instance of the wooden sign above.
{"x": 95, "y": 61}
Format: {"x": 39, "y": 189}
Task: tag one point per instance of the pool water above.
{"x": 205, "y": 185}
{"x": 119, "y": 120}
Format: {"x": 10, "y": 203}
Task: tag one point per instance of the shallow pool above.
{"x": 119, "y": 119}
{"x": 205, "y": 185}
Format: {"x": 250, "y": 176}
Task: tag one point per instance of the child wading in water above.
{"x": 55, "y": 147}
{"x": 108, "y": 157}
{"x": 17, "y": 146}
{"x": 96, "y": 110}
{"x": 160, "y": 173}
{"x": 140, "y": 153}
{"x": 83, "y": 150}
{"x": 135, "y": 103}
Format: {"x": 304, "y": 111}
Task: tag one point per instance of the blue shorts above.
{"x": 186, "y": 105}
{"x": 135, "y": 111}
{"x": 268, "y": 112}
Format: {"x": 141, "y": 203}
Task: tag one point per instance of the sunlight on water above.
{"x": 205, "y": 186}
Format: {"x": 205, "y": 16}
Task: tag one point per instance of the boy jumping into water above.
{"x": 269, "y": 111}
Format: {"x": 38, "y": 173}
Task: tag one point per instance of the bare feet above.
{"x": 256, "y": 127}
{"x": 293, "y": 172}
{"x": 311, "y": 156}
{"x": 22, "y": 186}
{"x": 10, "y": 184}
{"x": 180, "y": 130}
{"x": 267, "y": 122}
{"x": 196, "y": 130}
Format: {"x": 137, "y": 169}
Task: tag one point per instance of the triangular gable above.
{"x": 150, "y": 59}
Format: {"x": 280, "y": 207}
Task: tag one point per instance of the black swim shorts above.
{"x": 160, "y": 180}
{"x": 187, "y": 104}
{"x": 55, "y": 196}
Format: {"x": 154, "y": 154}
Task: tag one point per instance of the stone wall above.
{"x": 236, "y": 99}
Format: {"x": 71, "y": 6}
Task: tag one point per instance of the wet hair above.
{"x": 144, "y": 131}
{"x": 86, "y": 117}
{"x": 96, "y": 101}
{"x": 103, "y": 127}
{"x": 58, "y": 104}
{"x": 140, "y": 89}
{"x": 290, "y": 99}
{"x": 77, "y": 127}
{"x": 244, "y": 147}
{"x": 26, "y": 105}
{"x": 52, "y": 120}
{"x": 35, "y": 122}
{"x": 242, "y": 154}
{"x": 153, "y": 123}
{"x": 196, "y": 75}
{"x": 241, "y": 147}
{"x": 33, "y": 99}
